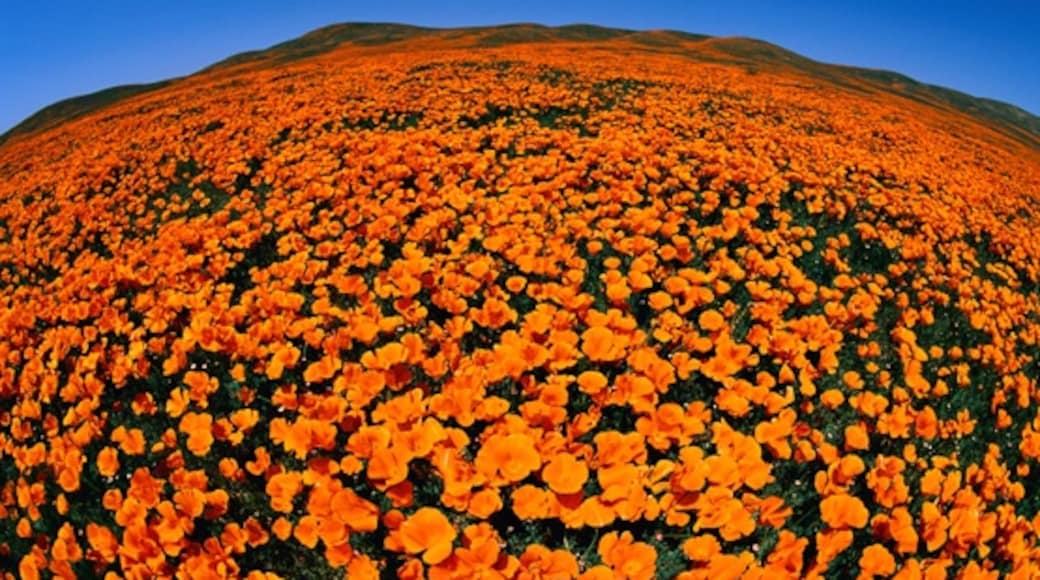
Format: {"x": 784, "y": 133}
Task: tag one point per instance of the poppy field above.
{"x": 538, "y": 311}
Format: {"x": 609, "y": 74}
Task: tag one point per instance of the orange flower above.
{"x": 131, "y": 441}
{"x": 511, "y": 457}
{"x": 284, "y": 356}
{"x": 856, "y": 438}
{"x": 295, "y": 437}
{"x": 108, "y": 461}
{"x": 565, "y": 474}
{"x": 485, "y": 503}
{"x": 65, "y": 547}
{"x": 877, "y": 561}
{"x": 388, "y": 466}
{"x": 934, "y": 526}
{"x": 103, "y": 542}
{"x": 628, "y": 559}
{"x": 773, "y": 512}
{"x": 600, "y": 344}
{"x": 926, "y": 423}
{"x": 701, "y": 548}
{"x": 200, "y": 385}
{"x": 190, "y": 502}
{"x": 261, "y": 463}
{"x": 282, "y": 528}
{"x": 306, "y": 531}
{"x": 537, "y": 561}
{"x": 531, "y": 503}
{"x": 728, "y": 565}
{"x": 427, "y": 532}
{"x": 199, "y": 428}
{"x": 282, "y": 488}
{"x": 788, "y": 553}
{"x": 321, "y": 370}
{"x": 730, "y": 358}
{"x": 842, "y": 511}
{"x": 28, "y": 569}
{"x": 718, "y": 509}
{"x": 362, "y": 567}
{"x": 177, "y": 403}
{"x": 773, "y": 434}
{"x": 592, "y": 512}
{"x": 901, "y": 529}
{"x": 830, "y": 543}
{"x": 591, "y": 382}
{"x": 711, "y": 320}
{"x": 360, "y": 514}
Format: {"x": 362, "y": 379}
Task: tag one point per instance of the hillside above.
{"x": 521, "y": 302}
{"x": 752, "y": 53}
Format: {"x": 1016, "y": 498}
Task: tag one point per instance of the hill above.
{"x": 521, "y": 302}
{"x": 742, "y": 51}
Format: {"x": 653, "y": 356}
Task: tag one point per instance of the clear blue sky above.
{"x": 54, "y": 49}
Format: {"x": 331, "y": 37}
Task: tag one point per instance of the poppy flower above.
{"x": 282, "y": 528}
{"x": 601, "y": 344}
{"x": 388, "y": 466}
{"x": 856, "y": 438}
{"x": 102, "y": 541}
{"x": 306, "y": 531}
{"x": 537, "y": 561}
{"x": 427, "y": 532}
{"x": 282, "y": 489}
{"x": 730, "y": 357}
{"x": 485, "y": 503}
{"x": 108, "y": 461}
{"x": 591, "y": 382}
{"x": 842, "y": 511}
{"x": 131, "y": 441}
{"x": 510, "y": 457}
{"x": 629, "y": 559}
{"x": 199, "y": 429}
{"x": 711, "y": 320}
{"x": 877, "y": 561}
{"x": 359, "y": 514}
{"x": 286, "y": 355}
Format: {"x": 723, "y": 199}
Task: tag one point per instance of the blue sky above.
{"x": 51, "y": 50}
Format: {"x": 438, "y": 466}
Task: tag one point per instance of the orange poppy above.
{"x": 306, "y": 530}
{"x": 711, "y": 320}
{"x": 282, "y": 489}
{"x": 629, "y": 559}
{"x": 388, "y": 466}
{"x": 282, "y": 528}
{"x": 102, "y": 541}
{"x": 510, "y": 458}
{"x": 856, "y": 438}
{"x": 485, "y": 503}
{"x": 591, "y": 382}
{"x": 538, "y": 562}
{"x": 842, "y": 511}
{"x": 599, "y": 343}
{"x": 360, "y": 514}
{"x": 199, "y": 429}
{"x": 108, "y": 461}
{"x": 877, "y": 561}
{"x": 428, "y": 532}
{"x": 131, "y": 441}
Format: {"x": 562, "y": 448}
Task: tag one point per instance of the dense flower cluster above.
{"x": 543, "y": 311}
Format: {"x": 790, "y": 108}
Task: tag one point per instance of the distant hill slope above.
{"x": 74, "y": 107}
{"x": 1009, "y": 119}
